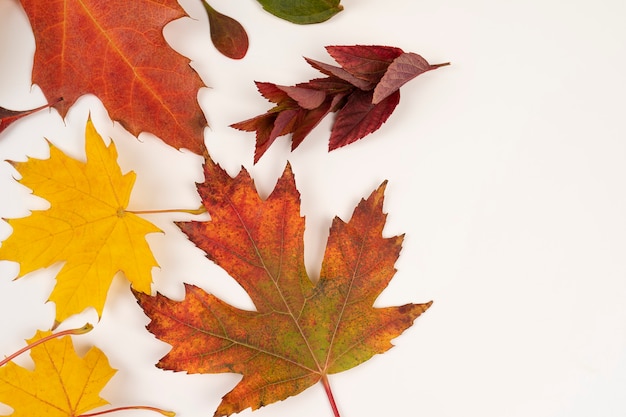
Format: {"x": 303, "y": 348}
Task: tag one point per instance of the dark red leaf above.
{"x": 309, "y": 120}
{"x": 402, "y": 70}
{"x": 262, "y": 125}
{"x": 271, "y": 92}
{"x": 367, "y": 62}
{"x": 227, "y": 34}
{"x": 257, "y": 124}
{"x": 360, "y": 117}
{"x": 340, "y": 73}
{"x": 330, "y": 85}
{"x": 306, "y": 98}
{"x": 283, "y": 124}
{"x": 270, "y": 126}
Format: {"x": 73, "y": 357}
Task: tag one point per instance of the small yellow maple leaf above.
{"x": 62, "y": 384}
{"x": 87, "y": 226}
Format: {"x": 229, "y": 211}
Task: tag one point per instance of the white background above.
{"x": 507, "y": 172}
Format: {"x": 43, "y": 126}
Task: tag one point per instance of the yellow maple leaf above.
{"x": 62, "y": 384}
{"x": 87, "y": 226}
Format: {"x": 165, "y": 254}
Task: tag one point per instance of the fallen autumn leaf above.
{"x": 300, "y": 332}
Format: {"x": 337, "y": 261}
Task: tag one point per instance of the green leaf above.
{"x": 303, "y": 12}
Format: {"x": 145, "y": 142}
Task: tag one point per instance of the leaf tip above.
{"x": 423, "y": 307}
{"x": 435, "y": 66}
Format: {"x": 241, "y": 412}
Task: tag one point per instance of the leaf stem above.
{"x": 208, "y": 7}
{"x": 329, "y": 394}
{"x": 133, "y": 407}
{"x": 433, "y": 66}
{"x": 199, "y": 210}
{"x": 45, "y": 106}
{"x": 86, "y": 328}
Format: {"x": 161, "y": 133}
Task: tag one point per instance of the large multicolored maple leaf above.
{"x": 115, "y": 49}
{"x": 87, "y": 226}
{"x": 300, "y": 332}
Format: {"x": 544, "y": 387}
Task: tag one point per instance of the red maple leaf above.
{"x": 115, "y": 49}
{"x": 363, "y": 90}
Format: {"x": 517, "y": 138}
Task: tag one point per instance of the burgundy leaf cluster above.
{"x": 363, "y": 90}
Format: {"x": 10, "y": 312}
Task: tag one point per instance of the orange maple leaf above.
{"x": 300, "y": 332}
{"x": 115, "y": 49}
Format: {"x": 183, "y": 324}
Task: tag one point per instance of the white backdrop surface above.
{"x": 507, "y": 173}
